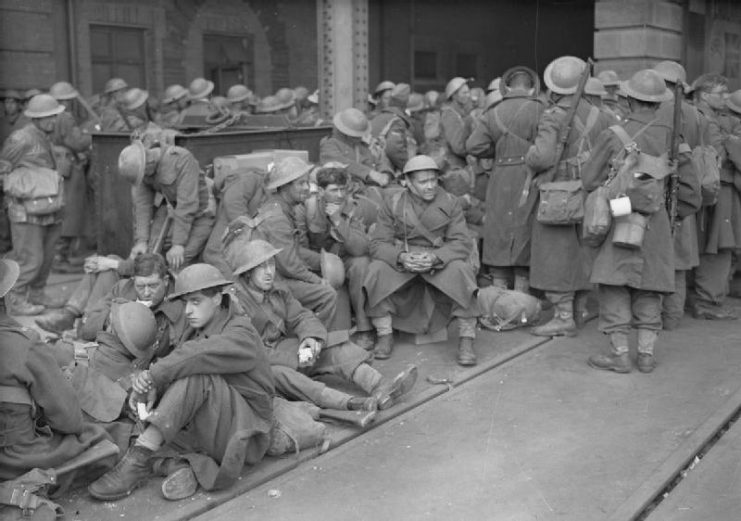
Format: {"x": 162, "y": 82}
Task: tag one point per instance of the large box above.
{"x": 224, "y": 166}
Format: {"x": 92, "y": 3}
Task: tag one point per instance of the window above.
{"x": 117, "y": 52}
{"x": 425, "y": 65}
{"x": 228, "y": 60}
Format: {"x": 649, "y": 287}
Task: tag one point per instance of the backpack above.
{"x": 706, "y": 162}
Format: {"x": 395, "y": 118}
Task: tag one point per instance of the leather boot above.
{"x": 612, "y": 362}
{"x": 562, "y": 323}
{"x": 646, "y": 340}
{"x": 384, "y": 346}
{"x": 18, "y": 305}
{"x": 466, "y": 352}
{"x": 389, "y": 392}
{"x": 58, "y": 321}
{"x": 121, "y": 480}
{"x": 358, "y": 403}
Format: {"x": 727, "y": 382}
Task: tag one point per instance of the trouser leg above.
{"x": 711, "y": 277}
{"x": 294, "y": 385}
{"x": 673, "y": 303}
{"x": 340, "y": 360}
{"x": 500, "y": 276}
{"x": 320, "y": 298}
{"x": 50, "y": 235}
{"x": 28, "y": 252}
{"x": 615, "y": 312}
{"x": 356, "y": 268}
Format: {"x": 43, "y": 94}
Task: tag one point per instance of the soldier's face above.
{"x": 150, "y": 290}
{"x": 716, "y": 98}
{"x": 46, "y": 124}
{"x": 298, "y": 190}
{"x": 424, "y": 184}
{"x": 200, "y": 309}
{"x": 334, "y": 194}
{"x": 463, "y": 95}
{"x": 11, "y": 106}
{"x": 384, "y": 100}
{"x": 263, "y": 276}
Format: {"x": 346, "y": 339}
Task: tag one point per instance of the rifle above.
{"x": 673, "y": 188}
{"x": 160, "y": 241}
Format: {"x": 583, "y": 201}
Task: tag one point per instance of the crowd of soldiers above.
{"x": 417, "y": 204}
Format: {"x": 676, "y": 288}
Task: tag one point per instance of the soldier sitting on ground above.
{"x": 422, "y": 272}
{"x": 209, "y": 402}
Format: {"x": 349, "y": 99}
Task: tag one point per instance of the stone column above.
{"x": 342, "y": 44}
{"x": 636, "y": 34}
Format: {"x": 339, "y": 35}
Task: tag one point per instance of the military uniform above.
{"x": 505, "y": 133}
{"x": 454, "y": 131}
{"x": 421, "y": 302}
{"x": 177, "y": 182}
{"x": 352, "y": 152}
{"x": 392, "y": 127}
{"x": 348, "y": 239}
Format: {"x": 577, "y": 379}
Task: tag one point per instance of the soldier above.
{"x": 199, "y": 95}
{"x": 174, "y": 102}
{"x": 452, "y": 122}
{"x": 694, "y": 130}
{"x": 421, "y": 273}
{"x": 611, "y": 82}
{"x": 112, "y": 93}
{"x": 41, "y": 423}
{"x": 241, "y": 99}
{"x": 14, "y": 118}
{"x": 298, "y": 345}
{"x": 34, "y": 233}
{"x": 560, "y": 263}
{"x": 632, "y": 280}
{"x": 309, "y": 115}
{"x": 381, "y": 97}
{"x": 346, "y": 146}
{"x": 335, "y": 222}
{"x": 172, "y": 175}
{"x": 721, "y": 233}
{"x": 214, "y": 399}
{"x": 505, "y": 132}
{"x": 416, "y": 110}
{"x": 391, "y": 131}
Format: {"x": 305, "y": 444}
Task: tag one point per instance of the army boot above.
{"x": 384, "y": 346}
{"x": 121, "y": 480}
{"x": 388, "y": 392}
{"x": 466, "y": 353}
{"x": 58, "y": 321}
{"x": 646, "y": 340}
{"x": 19, "y": 305}
{"x": 562, "y": 323}
{"x": 617, "y": 360}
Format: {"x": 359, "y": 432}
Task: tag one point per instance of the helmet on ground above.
{"x": 671, "y": 71}
{"x": 594, "y": 87}
{"x": 420, "y": 162}
{"x": 9, "y": 271}
{"x": 134, "y": 98}
{"x": 197, "y": 277}
{"x": 562, "y": 74}
{"x": 132, "y": 161}
{"x": 494, "y": 85}
{"x": 287, "y": 170}
{"x": 733, "y": 101}
{"x": 268, "y": 105}
{"x": 455, "y": 84}
{"x": 199, "y": 88}
{"x": 416, "y": 102}
{"x": 43, "y": 106}
{"x": 333, "y": 269}
{"x": 251, "y": 255}
{"x": 12, "y": 94}
{"x": 383, "y": 86}
{"x": 647, "y": 85}
{"x": 174, "y": 93}
{"x": 114, "y": 84}
{"x": 135, "y": 327}
{"x": 237, "y": 93}
{"x": 351, "y": 122}
{"x": 609, "y": 78}
{"x": 62, "y": 90}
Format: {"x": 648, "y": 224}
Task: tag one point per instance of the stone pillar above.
{"x": 636, "y": 34}
{"x": 342, "y": 45}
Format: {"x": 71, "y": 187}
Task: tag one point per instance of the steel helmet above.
{"x": 416, "y": 102}
{"x": 134, "y": 98}
{"x": 286, "y": 98}
{"x": 383, "y": 86}
{"x": 9, "y": 271}
{"x": 300, "y": 93}
{"x": 562, "y": 74}
{"x": 219, "y": 102}
{"x": 594, "y": 87}
{"x": 135, "y": 326}
{"x": 12, "y": 94}
{"x": 494, "y": 85}
{"x": 432, "y": 97}
{"x": 400, "y": 95}
{"x": 333, "y": 269}
{"x": 420, "y": 162}
{"x": 197, "y": 277}
{"x": 733, "y": 101}
{"x": 43, "y": 106}
{"x": 609, "y": 78}
{"x": 114, "y": 84}
{"x": 351, "y": 122}
{"x": 132, "y": 161}
{"x": 287, "y": 170}
{"x": 200, "y": 88}
{"x": 517, "y": 70}
{"x": 268, "y": 105}
{"x": 251, "y": 255}
{"x": 174, "y": 93}
{"x": 62, "y": 90}
{"x": 671, "y": 71}
{"x": 647, "y": 85}
{"x": 455, "y": 84}
{"x": 237, "y": 93}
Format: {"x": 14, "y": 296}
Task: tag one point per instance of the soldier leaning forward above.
{"x": 633, "y": 275}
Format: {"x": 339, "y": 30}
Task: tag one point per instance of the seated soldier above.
{"x": 167, "y": 186}
{"x": 421, "y": 274}
{"x": 214, "y": 399}
{"x": 275, "y": 222}
{"x": 41, "y": 422}
{"x": 297, "y": 344}
{"x": 338, "y": 223}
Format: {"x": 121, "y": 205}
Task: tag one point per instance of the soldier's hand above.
{"x": 176, "y": 256}
{"x": 142, "y": 383}
{"x": 138, "y": 249}
{"x": 379, "y": 178}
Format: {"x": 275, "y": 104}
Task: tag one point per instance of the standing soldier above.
{"x": 381, "y": 97}
{"x": 632, "y": 280}
{"x": 391, "y": 131}
{"x": 721, "y": 233}
{"x": 35, "y": 233}
{"x": 452, "y": 123}
{"x": 505, "y": 132}
{"x": 168, "y": 186}
{"x": 14, "y": 118}
{"x": 560, "y": 264}
{"x": 611, "y": 82}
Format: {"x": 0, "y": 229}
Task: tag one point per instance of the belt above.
{"x": 512, "y": 160}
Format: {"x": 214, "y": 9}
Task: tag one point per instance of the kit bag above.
{"x": 706, "y": 162}
{"x": 39, "y": 189}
